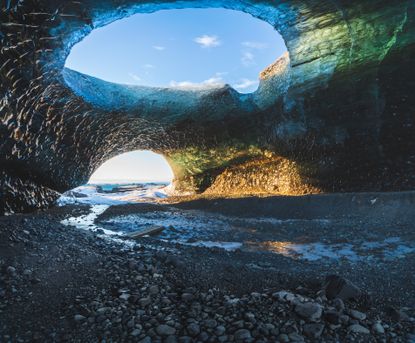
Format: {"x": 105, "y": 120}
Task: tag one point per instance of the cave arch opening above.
{"x": 134, "y": 166}
{"x": 130, "y": 177}
{"x": 184, "y": 49}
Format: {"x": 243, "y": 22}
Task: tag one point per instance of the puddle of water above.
{"x": 228, "y": 246}
{"x": 389, "y": 249}
{"x": 87, "y": 221}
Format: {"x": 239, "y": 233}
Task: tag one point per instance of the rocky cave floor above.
{"x": 62, "y": 284}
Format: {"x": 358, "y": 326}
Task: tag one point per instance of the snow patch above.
{"x": 90, "y": 194}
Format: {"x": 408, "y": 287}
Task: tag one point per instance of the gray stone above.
{"x": 27, "y": 272}
{"x": 135, "y": 332}
{"x": 165, "y": 330}
{"x": 153, "y": 290}
{"x": 295, "y": 337}
{"x": 187, "y": 297}
{"x": 210, "y": 323}
{"x": 356, "y": 328}
{"x": 313, "y": 330}
{"x": 193, "y": 329}
{"x": 242, "y": 335}
{"x": 310, "y": 311}
{"x": 171, "y": 339}
{"x": 144, "y": 302}
{"x": 79, "y": 317}
{"x": 377, "y": 328}
{"x": 357, "y": 315}
{"x": 338, "y": 287}
{"x": 220, "y": 330}
{"x": 124, "y": 296}
{"x": 339, "y": 305}
{"x": 283, "y": 338}
{"x": 11, "y": 270}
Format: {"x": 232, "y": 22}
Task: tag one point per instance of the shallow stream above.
{"x": 311, "y": 240}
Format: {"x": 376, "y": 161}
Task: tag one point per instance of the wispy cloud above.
{"x": 246, "y": 83}
{"x": 255, "y": 45}
{"x": 159, "y": 47}
{"x": 135, "y": 77}
{"x": 248, "y": 59}
{"x": 148, "y": 66}
{"x": 213, "y": 82}
{"x": 207, "y": 41}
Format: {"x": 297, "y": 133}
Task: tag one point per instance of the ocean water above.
{"x": 116, "y": 193}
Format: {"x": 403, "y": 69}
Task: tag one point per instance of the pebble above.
{"x": 242, "y": 335}
{"x": 187, "y": 297}
{"x": 283, "y": 338}
{"x": 193, "y": 329}
{"x": 11, "y": 271}
{"x": 310, "y": 311}
{"x": 356, "y": 328}
{"x": 165, "y": 330}
{"x": 313, "y": 330}
{"x": 153, "y": 290}
{"x": 136, "y": 332}
{"x": 124, "y": 296}
{"x": 144, "y": 302}
{"x": 357, "y": 315}
{"x": 220, "y": 330}
{"x": 295, "y": 337}
{"x": 377, "y": 328}
{"x": 339, "y": 305}
{"x": 79, "y": 317}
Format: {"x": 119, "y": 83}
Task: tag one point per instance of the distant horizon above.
{"x": 120, "y": 181}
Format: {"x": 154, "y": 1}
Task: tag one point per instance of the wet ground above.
{"x": 307, "y": 239}
{"x": 352, "y": 234}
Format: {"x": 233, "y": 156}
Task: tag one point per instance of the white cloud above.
{"x": 246, "y": 83}
{"x": 207, "y": 41}
{"x": 135, "y": 77}
{"x": 213, "y": 82}
{"x": 255, "y": 45}
{"x": 248, "y": 59}
{"x": 159, "y": 47}
{"x": 148, "y": 66}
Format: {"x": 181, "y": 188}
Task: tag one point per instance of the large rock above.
{"x": 310, "y": 311}
{"x": 338, "y": 287}
{"x": 334, "y": 114}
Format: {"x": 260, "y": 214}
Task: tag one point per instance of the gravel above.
{"x": 91, "y": 289}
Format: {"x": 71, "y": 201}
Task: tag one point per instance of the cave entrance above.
{"x": 131, "y": 177}
{"x": 136, "y": 166}
{"x": 181, "y": 49}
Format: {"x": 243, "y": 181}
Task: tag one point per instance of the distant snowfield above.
{"x": 101, "y": 194}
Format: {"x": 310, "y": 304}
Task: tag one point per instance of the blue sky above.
{"x": 188, "y": 48}
{"x": 134, "y": 166}
{"x": 180, "y": 48}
